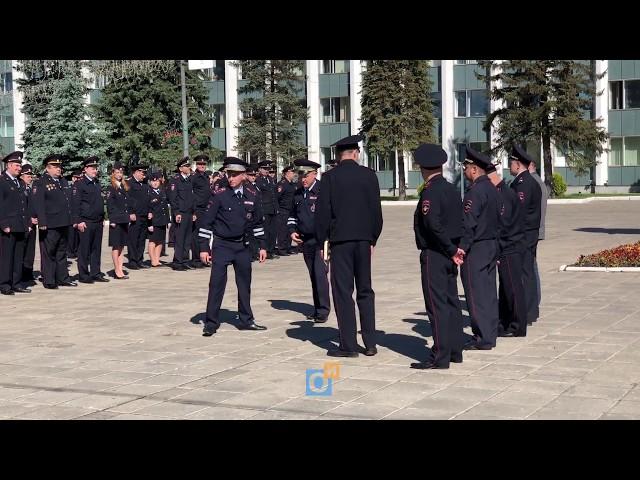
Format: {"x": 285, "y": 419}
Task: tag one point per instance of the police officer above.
{"x": 479, "y": 247}
{"x": 349, "y": 216}
{"x": 437, "y": 225}
{"x": 182, "y": 202}
{"x": 73, "y": 242}
{"x": 285, "y": 190}
{"x": 201, "y": 192}
{"x": 267, "y": 188}
{"x": 27, "y": 177}
{"x": 138, "y": 196}
{"x": 232, "y": 212}
{"x": 251, "y": 174}
{"x": 530, "y": 194}
{"x": 52, "y": 205}
{"x": 88, "y": 219}
{"x": 301, "y": 226}
{"x": 511, "y": 300}
{"x": 120, "y": 215}
{"x": 221, "y": 181}
{"x": 15, "y": 224}
{"x": 159, "y": 218}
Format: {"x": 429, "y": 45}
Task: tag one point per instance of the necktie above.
{"x": 306, "y": 192}
{"x": 239, "y": 195}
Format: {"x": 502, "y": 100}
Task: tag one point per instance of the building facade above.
{"x": 332, "y": 94}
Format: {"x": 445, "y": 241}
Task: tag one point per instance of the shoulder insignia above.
{"x": 220, "y": 190}
{"x": 426, "y": 206}
{"x": 521, "y": 196}
{"x": 467, "y": 206}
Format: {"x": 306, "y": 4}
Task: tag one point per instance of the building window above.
{"x": 101, "y": 81}
{"x": 631, "y": 152}
{"x": 437, "y": 104}
{"x": 461, "y": 148}
{"x": 615, "y": 154}
{"x": 334, "y": 66}
{"x": 326, "y": 154}
{"x": 471, "y": 103}
{"x": 615, "y": 95}
{"x": 334, "y": 110}
{"x": 632, "y": 93}
{"x": 6, "y": 126}
{"x": 219, "y": 116}
{"x": 435, "y": 63}
{"x": 6, "y": 82}
{"x": 465, "y": 62}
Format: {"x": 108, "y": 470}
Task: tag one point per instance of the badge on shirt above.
{"x": 502, "y": 210}
{"x": 173, "y": 186}
{"x": 247, "y": 202}
{"x": 467, "y": 206}
{"x": 279, "y": 188}
{"x": 312, "y": 207}
{"x": 312, "y": 198}
{"x": 521, "y": 196}
{"x": 426, "y": 206}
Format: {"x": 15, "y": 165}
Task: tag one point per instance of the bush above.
{"x": 558, "y": 185}
{"x": 622, "y": 256}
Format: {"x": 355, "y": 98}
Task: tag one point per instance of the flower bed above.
{"x": 621, "y": 256}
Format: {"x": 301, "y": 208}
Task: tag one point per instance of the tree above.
{"x": 547, "y": 101}
{"x": 143, "y": 113}
{"x": 67, "y": 127}
{"x": 397, "y": 111}
{"x": 273, "y": 110}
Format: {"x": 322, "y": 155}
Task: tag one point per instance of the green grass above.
{"x": 409, "y": 197}
{"x": 587, "y": 195}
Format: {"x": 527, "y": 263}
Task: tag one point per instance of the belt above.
{"x": 235, "y": 239}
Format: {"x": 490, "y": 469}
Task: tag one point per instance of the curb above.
{"x": 551, "y": 201}
{"x": 566, "y": 268}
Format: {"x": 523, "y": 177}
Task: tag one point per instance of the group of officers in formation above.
{"x": 241, "y": 214}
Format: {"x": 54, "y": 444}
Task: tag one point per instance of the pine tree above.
{"x": 143, "y": 113}
{"x": 547, "y": 101}
{"x": 397, "y": 111}
{"x": 273, "y": 111}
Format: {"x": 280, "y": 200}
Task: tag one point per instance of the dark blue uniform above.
{"x": 14, "y": 216}
{"x": 202, "y": 193}
{"x": 481, "y": 208}
{"x": 138, "y": 196}
{"x": 302, "y": 221}
{"x": 267, "y": 187}
{"x": 285, "y": 192}
{"x": 30, "y": 246}
{"x": 228, "y": 221}
{"x": 254, "y": 244}
{"x": 437, "y": 225}
{"x": 159, "y": 207}
{"x": 88, "y": 207}
{"x": 52, "y": 205}
{"x": 511, "y": 296}
{"x": 349, "y": 216}
{"x": 182, "y": 202}
{"x": 119, "y": 211}
{"x": 529, "y": 193}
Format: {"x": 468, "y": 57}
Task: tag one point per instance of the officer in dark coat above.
{"x": 231, "y": 214}
{"x": 138, "y": 196}
{"x": 285, "y": 190}
{"x": 437, "y": 225}
{"x": 15, "y": 224}
{"x": 52, "y": 204}
{"x": 159, "y": 218}
{"x": 73, "y": 242}
{"x": 267, "y": 187}
{"x": 512, "y": 306}
{"x": 349, "y": 216}
{"x": 201, "y": 192}
{"x": 88, "y": 219}
{"x": 182, "y": 200}
{"x": 301, "y": 225}
{"x": 27, "y": 178}
{"x": 250, "y": 182}
{"x": 530, "y": 194}
{"x": 479, "y": 246}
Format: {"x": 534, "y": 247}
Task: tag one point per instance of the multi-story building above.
{"x": 332, "y": 94}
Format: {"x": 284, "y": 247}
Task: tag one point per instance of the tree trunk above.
{"x": 548, "y": 165}
{"x": 273, "y": 119}
{"x": 402, "y": 183}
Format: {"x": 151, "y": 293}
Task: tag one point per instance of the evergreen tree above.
{"x": 274, "y": 111}
{"x": 397, "y": 110}
{"x": 143, "y": 114}
{"x": 547, "y": 101}
{"x": 67, "y": 128}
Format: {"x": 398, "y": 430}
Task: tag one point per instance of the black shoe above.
{"x": 143, "y": 266}
{"x": 477, "y": 346}
{"x": 370, "y": 352}
{"x": 68, "y": 284}
{"x": 456, "y": 359}
{"x": 342, "y": 353}
{"x": 22, "y": 290}
{"x": 427, "y": 366}
{"x": 50, "y": 287}
{"x": 7, "y": 292}
{"x": 90, "y": 280}
{"x": 101, "y": 280}
{"x": 283, "y": 254}
{"x": 312, "y": 317}
{"x": 319, "y": 319}
{"x": 252, "y": 326}
{"x": 207, "y": 332}
{"x": 179, "y": 268}
{"x": 131, "y": 266}
{"x": 506, "y": 334}
{"x": 124, "y": 277}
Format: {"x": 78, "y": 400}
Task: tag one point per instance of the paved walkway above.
{"x": 134, "y": 350}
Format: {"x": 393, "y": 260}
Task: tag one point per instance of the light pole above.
{"x": 185, "y": 119}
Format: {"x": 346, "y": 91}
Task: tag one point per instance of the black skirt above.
{"x": 158, "y": 235}
{"x": 118, "y": 235}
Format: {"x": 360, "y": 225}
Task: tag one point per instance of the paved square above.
{"x": 134, "y": 350}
